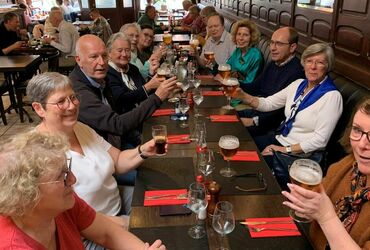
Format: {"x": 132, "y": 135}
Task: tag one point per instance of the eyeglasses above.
{"x": 67, "y": 172}
{"x": 261, "y": 180}
{"x": 318, "y": 64}
{"x": 277, "y": 43}
{"x": 66, "y": 102}
{"x": 357, "y": 133}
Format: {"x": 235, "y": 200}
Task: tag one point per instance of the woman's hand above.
{"x": 271, "y": 148}
{"x": 154, "y": 83}
{"x": 166, "y": 87}
{"x": 314, "y": 205}
{"x": 156, "y": 245}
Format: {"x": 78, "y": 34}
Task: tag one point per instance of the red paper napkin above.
{"x": 178, "y": 139}
{"x": 271, "y": 233}
{"x": 224, "y": 118}
{"x": 212, "y": 93}
{"x": 162, "y": 112}
{"x": 170, "y": 200}
{"x": 201, "y": 77}
{"x": 245, "y": 156}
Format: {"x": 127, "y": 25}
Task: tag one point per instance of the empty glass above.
{"x": 206, "y": 162}
{"x": 199, "y": 125}
{"x": 197, "y": 201}
{"x": 198, "y": 99}
{"x": 229, "y": 145}
{"x": 184, "y": 107}
{"x": 223, "y": 220}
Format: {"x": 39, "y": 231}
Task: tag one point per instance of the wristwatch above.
{"x": 288, "y": 149}
{"x": 141, "y": 153}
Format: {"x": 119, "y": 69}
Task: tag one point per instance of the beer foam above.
{"x": 306, "y": 175}
{"x": 224, "y": 67}
{"x": 228, "y": 144}
{"x": 208, "y": 52}
{"x": 231, "y": 82}
{"x": 161, "y": 71}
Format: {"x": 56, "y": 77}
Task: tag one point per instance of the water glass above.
{"x": 184, "y": 107}
{"x": 206, "y": 162}
{"x": 223, "y": 220}
{"x": 197, "y": 202}
{"x": 198, "y": 99}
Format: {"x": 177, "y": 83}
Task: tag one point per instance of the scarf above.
{"x": 300, "y": 102}
{"x": 348, "y": 208}
{"x": 125, "y": 78}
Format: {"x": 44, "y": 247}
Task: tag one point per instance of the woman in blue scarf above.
{"x": 312, "y": 109}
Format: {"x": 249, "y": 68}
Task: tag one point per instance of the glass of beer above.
{"x": 307, "y": 174}
{"x": 194, "y": 42}
{"x": 159, "y": 133}
{"x": 210, "y": 57}
{"x": 224, "y": 70}
{"x": 229, "y": 86}
{"x": 167, "y": 38}
{"x": 229, "y": 145}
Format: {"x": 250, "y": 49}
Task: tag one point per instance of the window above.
{"x": 323, "y": 5}
{"x": 171, "y": 4}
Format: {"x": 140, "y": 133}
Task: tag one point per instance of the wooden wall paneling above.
{"x": 244, "y": 8}
{"x": 351, "y": 39}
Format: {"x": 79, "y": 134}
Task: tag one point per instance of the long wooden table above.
{"x": 177, "y": 170}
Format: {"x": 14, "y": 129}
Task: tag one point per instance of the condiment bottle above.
{"x": 214, "y": 190}
{"x": 202, "y": 215}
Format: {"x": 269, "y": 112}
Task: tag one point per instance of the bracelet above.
{"x": 141, "y": 153}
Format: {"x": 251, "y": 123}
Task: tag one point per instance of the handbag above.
{"x": 281, "y": 163}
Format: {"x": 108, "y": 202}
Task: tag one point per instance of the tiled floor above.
{"x": 14, "y": 125}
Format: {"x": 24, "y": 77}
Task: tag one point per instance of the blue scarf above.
{"x": 316, "y": 93}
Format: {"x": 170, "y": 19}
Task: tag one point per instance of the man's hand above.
{"x": 247, "y": 122}
{"x": 166, "y": 87}
{"x": 156, "y": 245}
{"x": 154, "y": 83}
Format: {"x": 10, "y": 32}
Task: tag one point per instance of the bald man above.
{"x": 97, "y": 105}
{"x": 68, "y": 34}
{"x": 283, "y": 69}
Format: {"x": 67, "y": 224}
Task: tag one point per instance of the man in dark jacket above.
{"x": 283, "y": 69}
{"x": 9, "y": 33}
{"x": 97, "y": 104}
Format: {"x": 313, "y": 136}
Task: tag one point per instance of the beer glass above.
{"x": 163, "y": 72}
{"x": 224, "y": 70}
{"x": 229, "y": 145}
{"x": 198, "y": 99}
{"x": 229, "y": 86}
{"x": 197, "y": 202}
{"x": 159, "y": 133}
{"x": 206, "y": 162}
{"x": 167, "y": 38}
{"x": 210, "y": 56}
{"x": 184, "y": 107}
{"x": 194, "y": 42}
{"x": 223, "y": 220}
{"x": 307, "y": 174}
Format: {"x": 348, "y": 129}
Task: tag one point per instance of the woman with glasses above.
{"x": 38, "y": 207}
{"x": 341, "y": 207}
{"x": 312, "y": 109}
{"x": 246, "y": 61}
{"x": 94, "y": 159}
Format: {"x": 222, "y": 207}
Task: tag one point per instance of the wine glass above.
{"x": 223, "y": 220}
{"x": 183, "y": 107}
{"x": 206, "y": 162}
{"x": 197, "y": 202}
{"x": 229, "y": 145}
{"x": 307, "y": 174}
{"x": 196, "y": 83}
{"x": 198, "y": 99}
{"x": 199, "y": 125}
{"x": 229, "y": 86}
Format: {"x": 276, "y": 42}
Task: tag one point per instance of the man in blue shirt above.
{"x": 283, "y": 69}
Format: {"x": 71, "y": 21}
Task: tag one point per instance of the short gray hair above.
{"x": 130, "y": 25}
{"x": 115, "y": 37}
{"x": 41, "y": 86}
{"x": 320, "y": 48}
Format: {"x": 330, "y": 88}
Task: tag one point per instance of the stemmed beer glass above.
{"x": 229, "y": 86}
{"x": 198, "y": 99}
{"x": 223, "y": 221}
{"x": 307, "y": 174}
{"x": 197, "y": 202}
{"x": 229, "y": 145}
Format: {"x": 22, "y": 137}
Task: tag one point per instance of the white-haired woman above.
{"x": 312, "y": 109}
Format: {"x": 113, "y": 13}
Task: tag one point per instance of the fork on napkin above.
{"x": 178, "y": 139}
{"x": 165, "y": 197}
{"x": 271, "y": 227}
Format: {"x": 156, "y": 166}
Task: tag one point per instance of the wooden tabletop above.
{"x": 18, "y": 63}
{"x": 177, "y": 169}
